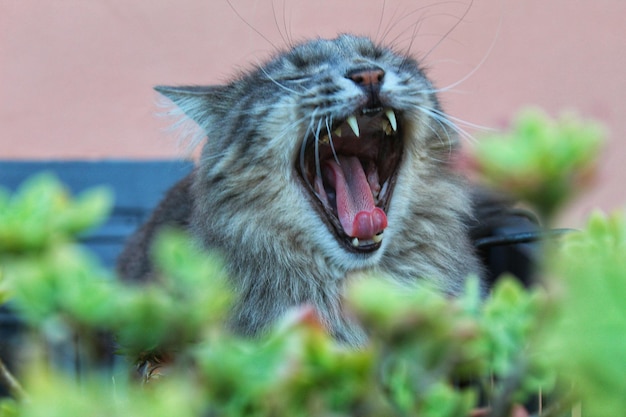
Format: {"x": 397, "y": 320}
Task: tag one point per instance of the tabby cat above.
{"x": 330, "y": 160}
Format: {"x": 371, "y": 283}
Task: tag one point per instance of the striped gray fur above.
{"x": 248, "y": 200}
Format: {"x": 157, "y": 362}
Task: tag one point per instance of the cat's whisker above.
{"x": 451, "y": 29}
{"x": 459, "y": 121}
{"x": 250, "y": 25}
{"x": 450, "y": 87}
{"x": 438, "y": 132}
{"x": 318, "y": 167}
{"x": 329, "y": 123}
{"x": 415, "y": 27}
{"x": 269, "y": 77}
{"x": 393, "y": 22}
{"x": 440, "y": 118}
{"x": 303, "y": 146}
{"x": 304, "y": 143}
{"x": 380, "y": 20}
{"x": 284, "y": 32}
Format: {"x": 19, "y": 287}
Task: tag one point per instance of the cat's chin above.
{"x": 350, "y": 170}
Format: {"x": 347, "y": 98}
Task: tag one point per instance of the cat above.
{"x": 331, "y": 160}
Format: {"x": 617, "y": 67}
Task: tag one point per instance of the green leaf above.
{"x": 9, "y": 408}
{"x": 541, "y": 161}
{"x": 88, "y": 210}
{"x": 587, "y": 341}
{"x": 41, "y": 213}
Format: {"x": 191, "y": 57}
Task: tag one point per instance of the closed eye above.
{"x": 294, "y": 79}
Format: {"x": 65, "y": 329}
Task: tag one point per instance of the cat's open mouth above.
{"x": 350, "y": 170}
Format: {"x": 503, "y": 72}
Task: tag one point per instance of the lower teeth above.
{"x": 376, "y": 239}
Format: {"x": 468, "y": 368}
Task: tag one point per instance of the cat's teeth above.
{"x": 392, "y": 119}
{"x": 354, "y": 125}
{"x": 387, "y": 127}
{"x": 324, "y": 139}
{"x": 376, "y": 239}
{"x": 383, "y": 190}
{"x": 337, "y": 132}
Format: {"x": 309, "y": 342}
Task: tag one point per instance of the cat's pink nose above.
{"x": 367, "y": 78}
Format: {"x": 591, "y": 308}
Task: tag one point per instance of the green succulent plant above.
{"x": 428, "y": 356}
{"x": 542, "y": 161}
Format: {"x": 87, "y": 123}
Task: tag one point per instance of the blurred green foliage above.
{"x": 588, "y": 338}
{"x": 540, "y": 160}
{"x": 429, "y": 355}
{"x": 42, "y": 214}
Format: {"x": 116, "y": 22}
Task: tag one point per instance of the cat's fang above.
{"x": 355, "y": 242}
{"x": 354, "y": 125}
{"x": 392, "y": 119}
{"x": 387, "y": 127}
{"x": 383, "y": 190}
{"x": 378, "y": 238}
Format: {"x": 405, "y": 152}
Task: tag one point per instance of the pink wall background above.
{"x": 76, "y": 76}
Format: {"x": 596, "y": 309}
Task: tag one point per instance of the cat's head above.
{"x": 341, "y": 118}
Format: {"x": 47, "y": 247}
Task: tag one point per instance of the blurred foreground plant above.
{"x": 581, "y": 331}
{"x": 587, "y": 341}
{"x": 429, "y": 356}
{"x": 541, "y": 161}
{"x": 424, "y": 346}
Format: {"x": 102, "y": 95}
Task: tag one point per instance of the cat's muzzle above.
{"x": 350, "y": 171}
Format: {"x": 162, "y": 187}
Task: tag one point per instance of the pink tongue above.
{"x": 357, "y": 212}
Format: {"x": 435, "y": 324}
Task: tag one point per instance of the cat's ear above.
{"x": 199, "y": 103}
